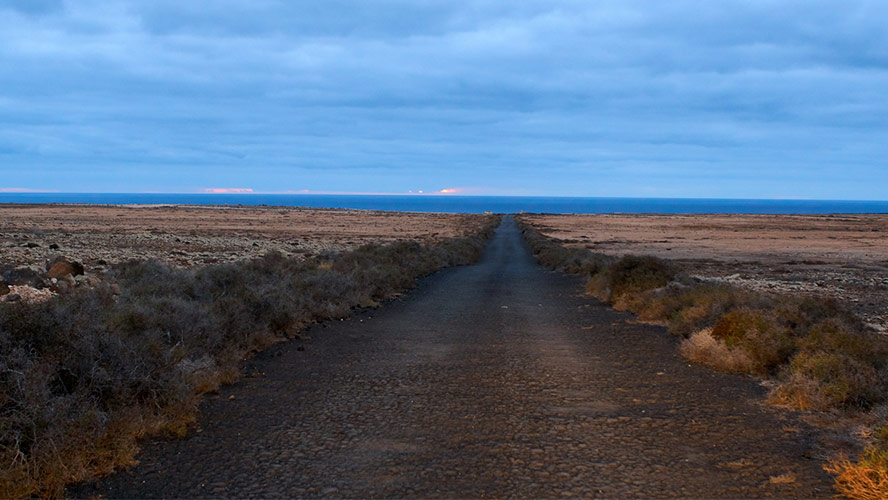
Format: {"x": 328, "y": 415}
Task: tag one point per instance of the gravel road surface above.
{"x": 494, "y": 380}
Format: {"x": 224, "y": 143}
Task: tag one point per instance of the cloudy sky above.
{"x": 749, "y": 99}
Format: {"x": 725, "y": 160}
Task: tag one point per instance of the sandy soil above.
{"x": 842, "y": 256}
{"x": 188, "y": 235}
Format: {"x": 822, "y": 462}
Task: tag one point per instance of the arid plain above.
{"x": 840, "y": 256}
{"x": 189, "y": 235}
{"x": 843, "y": 257}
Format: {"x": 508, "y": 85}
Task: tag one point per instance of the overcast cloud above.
{"x": 752, "y": 98}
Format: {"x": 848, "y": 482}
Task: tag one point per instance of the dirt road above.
{"x": 494, "y": 380}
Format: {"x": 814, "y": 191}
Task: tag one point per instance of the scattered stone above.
{"x": 60, "y": 267}
{"x": 23, "y": 276}
{"x": 31, "y": 244}
{"x": 29, "y": 294}
{"x": 53, "y": 246}
{"x": 878, "y": 327}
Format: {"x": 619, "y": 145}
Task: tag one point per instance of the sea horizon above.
{"x": 467, "y": 203}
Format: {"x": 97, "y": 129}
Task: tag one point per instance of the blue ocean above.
{"x": 470, "y": 204}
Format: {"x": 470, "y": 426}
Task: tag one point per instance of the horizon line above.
{"x": 442, "y": 193}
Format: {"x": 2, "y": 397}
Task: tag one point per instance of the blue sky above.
{"x": 749, "y": 99}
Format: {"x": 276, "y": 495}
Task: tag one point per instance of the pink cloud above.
{"x": 227, "y": 190}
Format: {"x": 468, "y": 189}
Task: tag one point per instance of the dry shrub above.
{"x": 837, "y": 366}
{"x": 689, "y": 306}
{"x": 564, "y": 259}
{"x": 820, "y": 380}
{"x": 629, "y": 276}
{"x": 705, "y": 303}
{"x": 83, "y": 376}
{"x": 703, "y": 348}
{"x": 864, "y": 480}
{"x": 766, "y": 342}
{"x": 837, "y": 335}
{"x": 867, "y": 479}
{"x": 798, "y": 392}
{"x": 802, "y": 313}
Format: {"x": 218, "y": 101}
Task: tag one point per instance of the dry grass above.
{"x": 785, "y": 478}
{"x": 864, "y": 480}
{"x": 757, "y": 333}
{"x": 703, "y": 348}
{"x": 83, "y": 376}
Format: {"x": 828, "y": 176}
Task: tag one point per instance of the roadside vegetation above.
{"x": 86, "y": 374}
{"x": 820, "y": 356}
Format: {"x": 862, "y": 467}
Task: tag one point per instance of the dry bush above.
{"x": 85, "y": 375}
{"x": 702, "y": 304}
{"x": 863, "y": 480}
{"x": 703, "y": 348}
{"x": 867, "y": 479}
{"x": 687, "y": 305}
{"x": 801, "y": 313}
{"x": 767, "y": 343}
{"x": 822, "y": 380}
{"x": 629, "y": 276}
{"x": 564, "y": 259}
{"x": 837, "y": 335}
{"x": 837, "y": 365}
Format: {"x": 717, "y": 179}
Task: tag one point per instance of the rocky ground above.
{"x": 96, "y": 237}
{"x": 840, "y": 256}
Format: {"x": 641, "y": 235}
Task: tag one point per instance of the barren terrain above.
{"x": 497, "y": 380}
{"x": 840, "y": 256}
{"x": 188, "y": 235}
